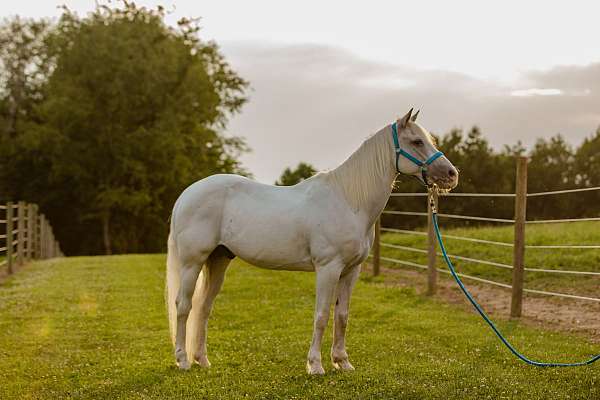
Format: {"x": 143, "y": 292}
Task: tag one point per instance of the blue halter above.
{"x": 422, "y": 164}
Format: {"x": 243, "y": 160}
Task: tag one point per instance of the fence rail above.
{"x": 459, "y": 194}
{"x": 25, "y": 235}
{"x": 455, "y": 216}
{"x": 518, "y": 266}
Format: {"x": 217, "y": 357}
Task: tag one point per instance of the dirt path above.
{"x": 567, "y": 315}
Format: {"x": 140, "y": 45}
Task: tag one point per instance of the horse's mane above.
{"x": 362, "y": 173}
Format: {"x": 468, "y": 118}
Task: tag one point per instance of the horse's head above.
{"x": 417, "y": 154}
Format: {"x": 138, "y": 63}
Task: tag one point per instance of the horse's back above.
{"x": 202, "y": 194}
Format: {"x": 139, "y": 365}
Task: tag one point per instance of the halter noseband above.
{"x": 421, "y": 164}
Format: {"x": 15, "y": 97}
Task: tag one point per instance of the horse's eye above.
{"x": 417, "y": 142}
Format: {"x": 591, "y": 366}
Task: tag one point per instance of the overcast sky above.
{"x": 326, "y": 74}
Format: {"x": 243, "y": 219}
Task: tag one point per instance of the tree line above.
{"x": 106, "y": 118}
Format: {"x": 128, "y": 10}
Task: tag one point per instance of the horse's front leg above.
{"x": 339, "y": 357}
{"x": 327, "y": 278}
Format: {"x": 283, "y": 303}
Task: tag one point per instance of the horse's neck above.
{"x": 367, "y": 176}
{"x": 379, "y": 199}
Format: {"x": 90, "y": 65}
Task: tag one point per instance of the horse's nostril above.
{"x": 451, "y": 172}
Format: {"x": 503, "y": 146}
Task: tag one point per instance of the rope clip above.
{"x": 433, "y": 191}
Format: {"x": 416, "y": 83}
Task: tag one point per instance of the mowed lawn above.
{"x": 95, "y": 327}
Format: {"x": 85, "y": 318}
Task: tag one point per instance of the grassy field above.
{"x": 96, "y": 328}
{"x": 580, "y": 233}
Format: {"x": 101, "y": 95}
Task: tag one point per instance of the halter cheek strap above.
{"x": 401, "y": 152}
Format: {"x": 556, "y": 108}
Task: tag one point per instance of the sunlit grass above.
{"x": 95, "y": 327}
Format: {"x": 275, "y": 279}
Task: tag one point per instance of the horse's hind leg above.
{"x": 212, "y": 281}
{"x": 188, "y": 276}
{"x": 339, "y": 356}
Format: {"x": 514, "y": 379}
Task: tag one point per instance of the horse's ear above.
{"x": 414, "y": 117}
{"x": 403, "y": 122}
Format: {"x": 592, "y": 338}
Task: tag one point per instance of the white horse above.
{"x": 323, "y": 224}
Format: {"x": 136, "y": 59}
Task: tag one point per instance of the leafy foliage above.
{"x": 291, "y": 177}
{"x": 130, "y": 115}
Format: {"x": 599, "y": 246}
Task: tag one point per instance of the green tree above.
{"x": 24, "y": 69}
{"x": 131, "y": 115}
{"x": 482, "y": 170}
{"x": 586, "y": 165}
{"x": 587, "y": 161}
{"x": 291, "y": 177}
{"x": 550, "y": 168}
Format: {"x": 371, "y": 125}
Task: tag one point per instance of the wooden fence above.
{"x": 519, "y": 245}
{"x": 25, "y": 235}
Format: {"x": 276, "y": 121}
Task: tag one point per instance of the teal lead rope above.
{"x": 484, "y": 315}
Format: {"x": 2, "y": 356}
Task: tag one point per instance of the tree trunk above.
{"x": 106, "y": 233}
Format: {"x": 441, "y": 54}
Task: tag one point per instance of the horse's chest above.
{"x": 354, "y": 251}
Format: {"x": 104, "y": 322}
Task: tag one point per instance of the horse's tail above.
{"x": 172, "y": 285}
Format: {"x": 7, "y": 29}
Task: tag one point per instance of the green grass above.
{"x": 95, "y": 327}
{"x": 579, "y": 233}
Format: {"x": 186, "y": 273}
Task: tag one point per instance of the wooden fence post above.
{"x": 46, "y": 236}
{"x": 9, "y": 236}
{"x": 35, "y": 232}
{"x": 48, "y": 241}
{"x": 377, "y": 247}
{"x": 40, "y": 237}
{"x": 431, "y": 248}
{"x": 30, "y": 226}
{"x": 21, "y": 233}
{"x": 51, "y": 243}
{"x": 516, "y": 305}
{"x": 46, "y": 232}
{"x": 42, "y": 240}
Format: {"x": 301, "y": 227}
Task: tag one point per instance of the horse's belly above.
{"x": 306, "y": 265}
{"x": 273, "y": 257}
{"x": 269, "y": 245}
{"x": 268, "y": 227}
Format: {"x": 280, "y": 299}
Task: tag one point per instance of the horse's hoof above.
{"x": 183, "y": 365}
{"x": 316, "y": 369}
{"x": 202, "y": 361}
{"x": 343, "y": 365}
{"x": 181, "y": 360}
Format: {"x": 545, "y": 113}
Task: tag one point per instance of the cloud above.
{"x": 317, "y": 103}
{"x": 536, "y": 92}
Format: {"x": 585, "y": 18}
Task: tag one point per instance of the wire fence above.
{"x": 25, "y": 235}
{"x": 518, "y": 245}
{"x": 490, "y": 282}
